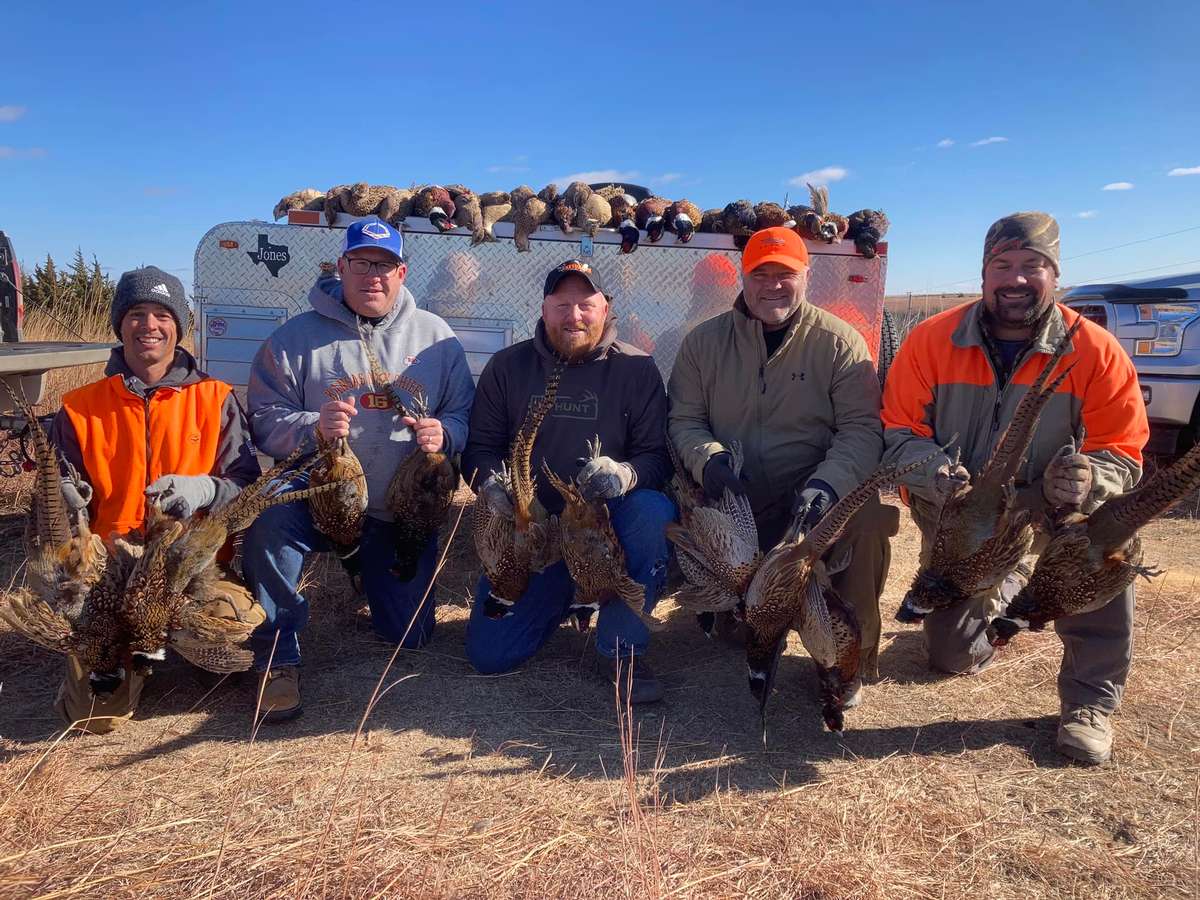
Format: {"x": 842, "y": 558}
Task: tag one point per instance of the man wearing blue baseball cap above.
{"x": 313, "y": 375}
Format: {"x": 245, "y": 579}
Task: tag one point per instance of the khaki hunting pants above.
{"x": 75, "y": 703}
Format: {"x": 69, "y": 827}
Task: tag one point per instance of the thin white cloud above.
{"x": 1118, "y": 186}
{"x": 1194, "y": 170}
{"x": 1087, "y": 214}
{"x": 507, "y": 169}
{"x": 597, "y": 175}
{"x": 946, "y": 142}
{"x": 989, "y": 140}
{"x": 11, "y": 113}
{"x": 21, "y": 152}
{"x": 666, "y": 178}
{"x": 819, "y": 176}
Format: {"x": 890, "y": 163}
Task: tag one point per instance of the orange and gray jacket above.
{"x": 121, "y": 435}
{"x": 810, "y": 411}
{"x": 944, "y": 382}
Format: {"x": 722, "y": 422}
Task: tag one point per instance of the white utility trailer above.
{"x": 253, "y": 276}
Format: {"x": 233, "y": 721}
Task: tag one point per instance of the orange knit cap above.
{"x": 778, "y": 245}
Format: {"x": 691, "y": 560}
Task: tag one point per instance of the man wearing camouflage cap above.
{"x": 963, "y": 372}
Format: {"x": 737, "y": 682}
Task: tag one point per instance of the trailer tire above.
{"x": 889, "y": 343}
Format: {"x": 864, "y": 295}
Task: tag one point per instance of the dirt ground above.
{"x": 529, "y": 784}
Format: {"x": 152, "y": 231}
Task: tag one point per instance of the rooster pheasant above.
{"x": 817, "y": 222}
{"x": 1091, "y": 559}
{"x": 510, "y": 548}
{"x": 981, "y": 534}
{"x": 792, "y": 589}
{"x": 593, "y": 554}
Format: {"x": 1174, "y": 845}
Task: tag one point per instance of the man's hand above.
{"x": 718, "y": 475}
{"x": 430, "y": 436}
{"x": 603, "y": 478}
{"x": 1068, "y": 478}
{"x": 948, "y": 478}
{"x": 335, "y": 418}
{"x": 77, "y": 494}
{"x": 812, "y": 503}
{"x": 182, "y": 495}
{"x": 496, "y": 496}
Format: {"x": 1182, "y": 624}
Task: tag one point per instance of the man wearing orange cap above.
{"x": 796, "y": 386}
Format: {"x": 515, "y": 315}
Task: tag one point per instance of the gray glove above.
{"x": 78, "y": 494}
{"x": 948, "y": 478}
{"x": 603, "y": 478}
{"x": 182, "y": 496}
{"x": 496, "y": 495}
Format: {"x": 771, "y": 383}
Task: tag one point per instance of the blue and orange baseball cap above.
{"x": 374, "y": 232}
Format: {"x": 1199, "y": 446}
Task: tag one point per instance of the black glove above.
{"x": 718, "y": 475}
{"x": 812, "y": 502}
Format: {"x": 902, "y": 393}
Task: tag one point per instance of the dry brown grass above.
{"x": 535, "y": 784}
{"x": 532, "y": 784}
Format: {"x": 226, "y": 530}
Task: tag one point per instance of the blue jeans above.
{"x": 498, "y": 645}
{"x": 273, "y": 554}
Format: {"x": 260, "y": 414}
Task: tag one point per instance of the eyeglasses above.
{"x": 365, "y": 266}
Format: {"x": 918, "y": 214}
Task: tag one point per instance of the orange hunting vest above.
{"x": 127, "y": 442}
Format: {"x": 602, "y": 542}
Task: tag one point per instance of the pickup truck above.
{"x": 1153, "y": 321}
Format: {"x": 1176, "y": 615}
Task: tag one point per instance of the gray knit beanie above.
{"x": 150, "y": 285}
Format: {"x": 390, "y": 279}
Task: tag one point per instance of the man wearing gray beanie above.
{"x": 951, "y": 393}
{"x": 155, "y": 429}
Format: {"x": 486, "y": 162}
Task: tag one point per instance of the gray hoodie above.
{"x": 318, "y": 356}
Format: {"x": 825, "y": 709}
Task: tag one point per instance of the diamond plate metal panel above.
{"x": 660, "y": 291}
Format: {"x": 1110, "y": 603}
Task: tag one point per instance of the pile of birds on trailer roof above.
{"x": 586, "y": 209}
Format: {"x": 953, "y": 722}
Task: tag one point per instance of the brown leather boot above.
{"x": 281, "y": 694}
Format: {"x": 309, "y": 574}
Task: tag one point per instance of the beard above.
{"x": 573, "y": 342}
{"x": 1026, "y": 312}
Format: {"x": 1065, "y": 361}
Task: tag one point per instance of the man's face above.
{"x": 574, "y": 315}
{"x": 149, "y": 335}
{"x": 773, "y": 292}
{"x": 1018, "y": 287}
{"x": 371, "y": 293}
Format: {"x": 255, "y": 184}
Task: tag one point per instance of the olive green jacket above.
{"x": 810, "y": 411}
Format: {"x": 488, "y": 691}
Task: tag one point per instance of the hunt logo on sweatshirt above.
{"x": 585, "y": 407}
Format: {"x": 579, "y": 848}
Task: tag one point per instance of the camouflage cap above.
{"x": 1037, "y": 231}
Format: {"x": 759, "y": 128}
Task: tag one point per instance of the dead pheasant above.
{"x": 592, "y": 552}
{"x": 494, "y": 206}
{"x": 338, "y": 514}
{"x": 1091, "y": 559}
{"x": 62, "y": 565}
{"x": 420, "y": 491}
{"x": 510, "y": 548}
{"x": 981, "y": 534}
{"x": 307, "y": 198}
{"x": 816, "y": 222}
{"x": 791, "y": 589}
{"x": 717, "y": 547}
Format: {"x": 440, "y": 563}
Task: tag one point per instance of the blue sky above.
{"x": 129, "y": 130}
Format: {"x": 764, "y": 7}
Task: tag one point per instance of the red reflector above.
{"x": 228, "y": 245}
{"x": 858, "y": 279}
{"x": 304, "y": 217}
